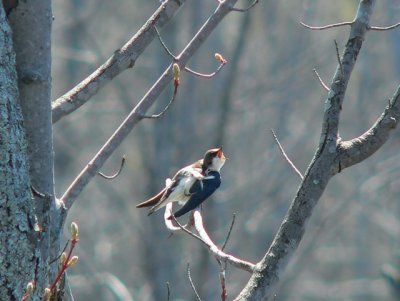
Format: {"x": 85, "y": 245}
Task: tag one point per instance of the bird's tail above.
{"x": 152, "y": 201}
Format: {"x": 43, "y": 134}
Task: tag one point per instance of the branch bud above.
{"x": 63, "y": 258}
{"x": 47, "y": 294}
{"x": 220, "y": 58}
{"x": 29, "y": 288}
{"x": 74, "y": 231}
{"x": 176, "y": 72}
{"x": 72, "y": 261}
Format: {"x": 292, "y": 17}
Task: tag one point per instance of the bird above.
{"x": 191, "y": 185}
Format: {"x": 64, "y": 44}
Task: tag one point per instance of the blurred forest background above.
{"x": 353, "y": 239}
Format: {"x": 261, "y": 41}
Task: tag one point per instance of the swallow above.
{"x": 191, "y": 185}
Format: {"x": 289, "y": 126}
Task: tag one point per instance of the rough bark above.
{"x": 31, "y": 27}
{"x": 322, "y": 168}
{"x": 19, "y": 258}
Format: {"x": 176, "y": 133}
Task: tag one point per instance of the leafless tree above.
{"x": 32, "y": 217}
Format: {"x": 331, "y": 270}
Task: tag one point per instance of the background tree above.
{"x": 273, "y": 87}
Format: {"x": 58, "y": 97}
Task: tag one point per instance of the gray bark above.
{"x": 19, "y": 258}
{"x": 331, "y": 156}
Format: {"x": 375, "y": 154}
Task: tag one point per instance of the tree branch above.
{"x": 358, "y": 149}
{"x": 202, "y": 236}
{"x": 286, "y": 157}
{"x": 91, "y": 169}
{"x": 122, "y": 59}
{"x": 263, "y": 280}
{"x": 377, "y": 28}
{"x": 326, "y": 26}
{"x": 321, "y": 81}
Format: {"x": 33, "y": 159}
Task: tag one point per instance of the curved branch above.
{"x": 219, "y": 255}
{"x": 122, "y": 59}
{"x": 117, "y": 173}
{"x": 326, "y": 26}
{"x": 378, "y": 28}
{"x": 202, "y": 236}
{"x": 358, "y": 149}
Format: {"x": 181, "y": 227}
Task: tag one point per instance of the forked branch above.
{"x": 203, "y": 236}
{"x": 122, "y": 59}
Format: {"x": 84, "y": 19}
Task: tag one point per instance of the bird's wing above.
{"x": 200, "y": 191}
{"x": 171, "y": 186}
{"x": 152, "y": 201}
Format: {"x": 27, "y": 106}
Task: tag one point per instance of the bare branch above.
{"x": 122, "y": 59}
{"x": 164, "y": 45}
{"x": 59, "y": 255}
{"x": 321, "y": 81}
{"x": 37, "y": 193}
{"x": 219, "y": 255}
{"x": 135, "y": 116}
{"x": 285, "y": 156}
{"x": 222, "y": 64}
{"x": 358, "y": 149}
{"x": 171, "y": 227}
{"x": 168, "y": 291}
{"x": 117, "y": 173}
{"x": 191, "y": 283}
{"x": 204, "y": 238}
{"x": 326, "y": 26}
{"x": 242, "y": 10}
{"x": 377, "y": 28}
{"x": 338, "y": 58}
{"x": 156, "y": 116}
{"x": 264, "y": 279}
{"x": 229, "y": 232}
{"x": 222, "y": 281}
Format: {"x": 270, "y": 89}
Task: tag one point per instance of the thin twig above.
{"x": 242, "y": 10}
{"x": 188, "y": 231}
{"x": 37, "y": 193}
{"x": 175, "y": 59}
{"x": 58, "y": 257}
{"x": 155, "y": 116}
{"x": 222, "y": 281}
{"x": 286, "y": 157}
{"x": 164, "y": 45}
{"x": 222, "y": 64}
{"x": 191, "y": 283}
{"x": 229, "y": 232}
{"x": 378, "y": 28}
{"x": 326, "y": 26}
{"x": 338, "y": 58}
{"x": 321, "y": 81}
{"x": 168, "y": 291}
{"x": 117, "y": 173}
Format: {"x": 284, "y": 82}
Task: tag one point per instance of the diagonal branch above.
{"x": 286, "y": 156}
{"x": 203, "y": 236}
{"x": 264, "y": 279}
{"x": 358, "y": 149}
{"x": 218, "y": 254}
{"x": 135, "y": 116}
{"x": 122, "y": 59}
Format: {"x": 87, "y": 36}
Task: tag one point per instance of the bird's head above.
{"x": 214, "y": 159}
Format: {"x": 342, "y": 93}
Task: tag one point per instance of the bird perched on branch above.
{"x": 191, "y": 185}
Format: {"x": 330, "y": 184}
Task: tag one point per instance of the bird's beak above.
{"x": 221, "y": 155}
